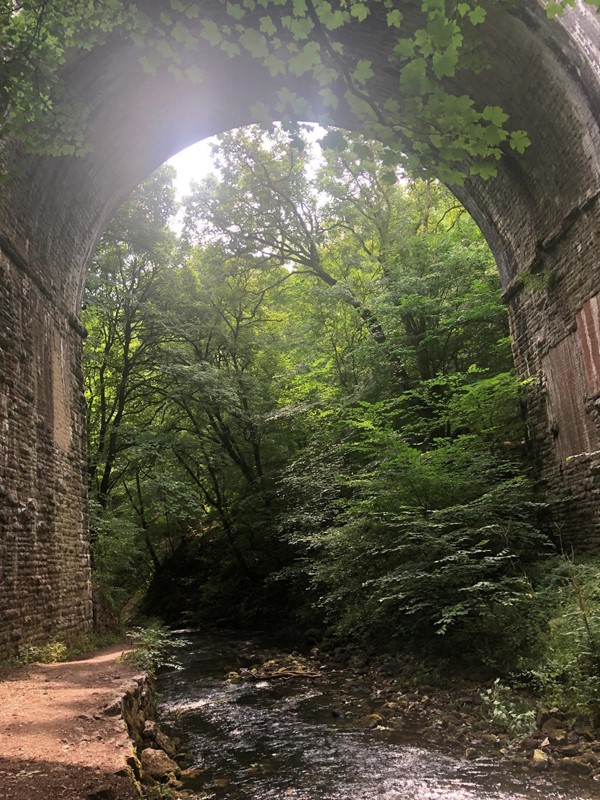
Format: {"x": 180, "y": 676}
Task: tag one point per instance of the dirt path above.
{"x": 55, "y": 741}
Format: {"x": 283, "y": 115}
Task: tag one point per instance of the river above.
{"x": 274, "y": 740}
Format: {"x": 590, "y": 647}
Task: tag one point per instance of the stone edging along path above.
{"x": 70, "y": 731}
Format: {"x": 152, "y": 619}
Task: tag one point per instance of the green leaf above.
{"x": 554, "y": 10}
{"x": 477, "y": 15}
{"x": 255, "y": 43}
{"x": 299, "y": 8}
{"x": 150, "y": 62}
{"x": 230, "y": 48}
{"x": 389, "y": 177}
{"x": 334, "y": 140}
{"x": 306, "y": 60}
{"x": 164, "y": 48}
{"x": 235, "y": 11}
{"x": 519, "y": 141}
{"x": 444, "y": 64}
{"x": 414, "y": 79}
{"x": 405, "y": 48}
{"x": 182, "y": 35}
{"x": 211, "y": 33}
{"x": 330, "y": 18}
{"x": 275, "y": 65}
{"x": 363, "y": 71}
{"x": 360, "y": 11}
{"x": 330, "y": 98}
{"x": 299, "y": 27}
{"x": 495, "y": 115}
{"x": 394, "y": 18}
{"x": 194, "y": 73}
{"x": 267, "y": 26}
{"x": 486, "y": 169}
{"x": 289, "y": 100}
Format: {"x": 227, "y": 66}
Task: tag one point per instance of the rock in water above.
{"x": 539, "y": 760}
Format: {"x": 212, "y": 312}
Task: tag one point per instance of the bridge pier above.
{"x": 44, "y": 552}
{"x": 554, "y": 308}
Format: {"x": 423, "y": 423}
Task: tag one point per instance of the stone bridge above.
{"x": 541, "y": 217}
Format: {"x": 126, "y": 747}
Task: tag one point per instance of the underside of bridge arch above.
{"x": 541, "y": 216}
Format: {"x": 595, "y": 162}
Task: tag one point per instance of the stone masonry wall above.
{"x": 44, "y": 554}
{"x": 555, "y": 320}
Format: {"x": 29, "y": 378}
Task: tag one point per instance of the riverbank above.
{"x": 476, "y": 717}
{"x": 62, "y": 735}
{"x": 65, "y": 729}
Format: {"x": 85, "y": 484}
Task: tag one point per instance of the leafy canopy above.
{"x": 425, "y": 126}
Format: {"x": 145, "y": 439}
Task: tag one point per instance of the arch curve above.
{"x": 540, "y": 215}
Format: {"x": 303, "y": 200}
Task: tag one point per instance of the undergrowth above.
{"x": 567, "y": 673}
{"x": 507, "y": 712}
{"x": 153, "y": 644}
{"x": 57, "y": 650}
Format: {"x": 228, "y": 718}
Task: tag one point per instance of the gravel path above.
{"x": 55, "y": 741}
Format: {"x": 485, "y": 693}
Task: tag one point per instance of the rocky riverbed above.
{"x": 256, "y": 723}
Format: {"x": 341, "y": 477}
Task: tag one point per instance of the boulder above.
{"x": 157, "y": 764}
{"x": 575, "y": 764}
{"x": 539, "y": 760}
{"x": 552, "y": 724}
{"x": 153, "y": 733}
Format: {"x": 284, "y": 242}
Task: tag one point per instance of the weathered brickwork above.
{"x": 541, "y": 217}
{"x": 44, "y": 554}
{"x": 555, "y": 318}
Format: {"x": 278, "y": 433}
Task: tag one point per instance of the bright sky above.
{"x": 192, "y": 164}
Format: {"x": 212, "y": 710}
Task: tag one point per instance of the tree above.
{"x": 251, "y": 438}
{"x": 348, "y": 224}
{"x": 121, "y": 346}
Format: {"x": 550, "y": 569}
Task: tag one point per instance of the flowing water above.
{"x": 267, "y": 741}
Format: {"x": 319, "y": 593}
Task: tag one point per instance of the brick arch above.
{"x": 541, "y": 217}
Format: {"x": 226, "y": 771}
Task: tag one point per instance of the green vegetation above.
{"x": 425, "y": 125}
{"x": 55, "y": 651}
{"x": 507, "y": 714}
{"x": 568, "y": 671}
{"x": 302, "y": 413}
{"x": 153, "y": 644}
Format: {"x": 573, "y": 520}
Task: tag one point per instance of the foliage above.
{"x": 505, "y": 712}
{"x": 50, "y": 653}
{"x": 153, "y": 644}
{"x": 422, "y": 544}
{"x": 36, "y": 41}
{"x": 56, "y": 650}
{"x": 424, "y": 125}
{"x": 308, "y": 396}
{"x": 567, "y": 671}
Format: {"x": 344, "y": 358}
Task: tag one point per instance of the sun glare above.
{"x": 192, "y": 164}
